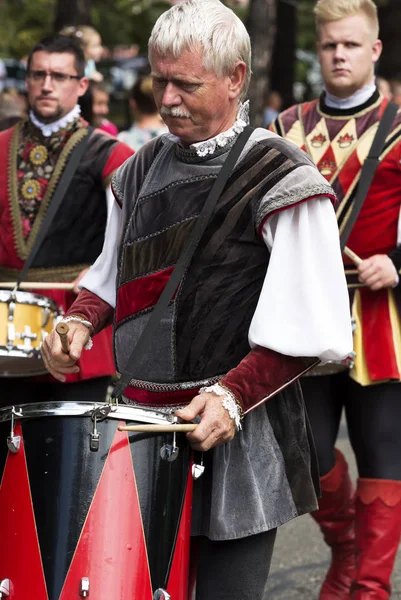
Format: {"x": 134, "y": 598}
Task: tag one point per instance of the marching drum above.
{"x": 87, "y": 510}
{"x": 25, "y": 320}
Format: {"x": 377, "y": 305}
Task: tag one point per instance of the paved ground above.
{"x": 301, "y": 558}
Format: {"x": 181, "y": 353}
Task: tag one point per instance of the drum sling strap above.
{"x": 369, "y": 169}
{"x": 183, "y": 261}
{"x": 58, "y": 196}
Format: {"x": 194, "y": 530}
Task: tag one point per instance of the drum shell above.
{"x": 17, "y": 312}
{"x": 116, "y": 516}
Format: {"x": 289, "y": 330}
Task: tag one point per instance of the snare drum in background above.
{"x": 89, "y": 511}
{"x": 25, "y": 320}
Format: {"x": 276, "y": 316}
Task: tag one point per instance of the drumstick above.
{"x": 158, "y": 428}
{"x": 37, "y": 285}
{"x": 354, "y": 257}
{"x": 62, "y": 330}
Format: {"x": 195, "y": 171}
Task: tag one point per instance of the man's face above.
{"x": 49, "y": 98}
{"x": 195, "y": 103}
{"x": 347, "y": 53}
{"x": 100, "y": 106}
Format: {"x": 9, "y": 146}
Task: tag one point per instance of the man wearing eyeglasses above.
{"x": 33, "y": 156}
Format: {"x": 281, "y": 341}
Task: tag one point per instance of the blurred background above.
{"x": 285, "y": 67}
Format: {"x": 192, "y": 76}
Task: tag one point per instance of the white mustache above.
{"x": 174, "y": 111}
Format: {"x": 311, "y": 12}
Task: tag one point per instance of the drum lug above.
{"x": 95, "y": 436}
{"x": 169, "y": 452}
{"x": 5, "y": 588}
{"x": 14, "y": 445}
{"x": 84, "y": 587}
{"x": 14, "y": 441}
{"x": 198, "y": 470}
{"x": 161, "y": 595}
{"x": 11, "y": 306}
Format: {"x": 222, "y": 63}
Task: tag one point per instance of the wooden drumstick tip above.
{"x": 62, "y": 329}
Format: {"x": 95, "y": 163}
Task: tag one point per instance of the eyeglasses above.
{"x": 56, "y": 77}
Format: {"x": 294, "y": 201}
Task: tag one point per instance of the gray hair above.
{"x": 209, "y": 26}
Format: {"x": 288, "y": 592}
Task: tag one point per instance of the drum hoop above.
{"x": 84, "y": 409}
{"x": 28, "y": 298}
{"x": 19, "y": 352}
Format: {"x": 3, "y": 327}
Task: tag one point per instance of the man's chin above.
{"x": 47, "y": 116}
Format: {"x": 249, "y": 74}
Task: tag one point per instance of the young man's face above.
{"x": 50, "y": 97}
{"x": 347, "y": 54}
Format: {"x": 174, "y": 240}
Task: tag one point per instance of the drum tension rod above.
{"x": 169, "y": 452}
{"x": 14, "y": 441}
{"x": 95, "y": 436}
{"x": 98, "y": 414}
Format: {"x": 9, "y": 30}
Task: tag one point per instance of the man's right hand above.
{"x": 59, "y": 363}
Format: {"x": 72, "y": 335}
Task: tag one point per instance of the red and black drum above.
{"x": 89, "y": 511}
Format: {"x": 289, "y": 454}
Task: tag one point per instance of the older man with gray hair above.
{"x": 252, "y": 308}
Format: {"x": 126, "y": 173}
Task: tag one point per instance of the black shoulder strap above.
{"x": 57, "y": 198}
{"x": 369, "y": 169}
{"x": 183, "y": 261}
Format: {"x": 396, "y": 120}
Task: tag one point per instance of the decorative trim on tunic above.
{"x": 23, "y": 247}
{"x": 44, "y": 274}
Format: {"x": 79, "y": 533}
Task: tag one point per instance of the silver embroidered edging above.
{"x": 87, "y": 324}
{"x": 221, "y": 140}
{"x": 228, "y": 402}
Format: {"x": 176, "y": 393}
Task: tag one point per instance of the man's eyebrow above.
{"x": 175, "y": 79}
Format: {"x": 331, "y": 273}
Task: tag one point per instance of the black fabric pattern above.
{"x": 77, "y": 232}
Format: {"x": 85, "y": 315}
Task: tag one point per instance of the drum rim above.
{"x": 24, "y": 297}
{"x": 122, "y": 412}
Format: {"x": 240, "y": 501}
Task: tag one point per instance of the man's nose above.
{"x": 47, "y": 85}
{"x": 171, "y": 96}
{"x": 339, "y": 53}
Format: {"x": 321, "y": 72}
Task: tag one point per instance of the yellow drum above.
{"x": 25, "y": 320}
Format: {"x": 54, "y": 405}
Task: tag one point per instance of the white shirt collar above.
{"x": 359, "y": 97}
{"x": 48, "y": 129}
{"x": 222, "y": 139}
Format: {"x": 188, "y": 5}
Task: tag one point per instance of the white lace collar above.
{"x": 357, "y": 99}
{"x": 222, "y": 139}
{"x": 48, "y": 129}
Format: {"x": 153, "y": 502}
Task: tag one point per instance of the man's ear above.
{"x": 237, "y": 79}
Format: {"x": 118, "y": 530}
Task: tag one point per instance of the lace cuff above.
{"x": 229, "y": 401}
{"x": 87, "y": 324}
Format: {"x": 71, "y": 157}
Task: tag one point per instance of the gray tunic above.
{"x": 267, "y": 474}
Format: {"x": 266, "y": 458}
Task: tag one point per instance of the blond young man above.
{"x": 337, "y": 130}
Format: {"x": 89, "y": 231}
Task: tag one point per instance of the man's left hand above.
{"x": 378, "y": 272}
{"x": 216, "y": 426}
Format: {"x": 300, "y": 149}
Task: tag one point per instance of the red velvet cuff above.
{"x": 262, "y": 374}
{"x": 92, "y": 308}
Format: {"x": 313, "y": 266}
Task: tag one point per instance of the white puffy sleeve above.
{"x": 102, "y": 276}
{"x": 303, "y": 308}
